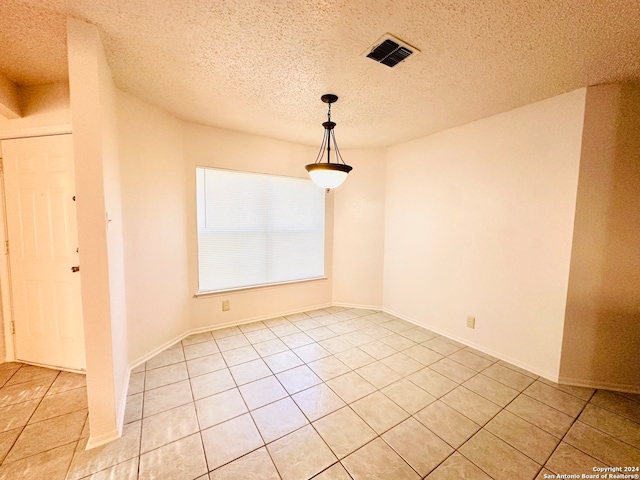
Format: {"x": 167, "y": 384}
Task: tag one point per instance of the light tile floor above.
{"x": 330, "y": 394}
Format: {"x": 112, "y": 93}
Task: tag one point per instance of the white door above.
{"x": 43, "y": 248}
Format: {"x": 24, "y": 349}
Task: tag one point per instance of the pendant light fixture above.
{"x": 328, "y": 174}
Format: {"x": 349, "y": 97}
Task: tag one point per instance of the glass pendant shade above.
{"x": 327, "y": 174}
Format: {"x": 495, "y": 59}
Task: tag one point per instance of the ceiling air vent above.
{"x": 390, "y": 50}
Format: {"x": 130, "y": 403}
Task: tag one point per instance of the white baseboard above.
{"x": 554, "y": 377}
{"x": 357, "y": 305}
{"x": 123, "y": 402}
{"x": 219, "y": 326}
{"x": 577, "y": 382}
{"x": 530, "y": 368}
{"x": 96, "y": 441}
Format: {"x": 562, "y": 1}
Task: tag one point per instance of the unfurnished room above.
{"x": 328, "y": 239}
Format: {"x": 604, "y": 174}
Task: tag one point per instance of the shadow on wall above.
{"x": 619, "y": 293}
{"x": 602, "y": 327}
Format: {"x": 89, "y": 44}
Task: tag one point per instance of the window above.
{"x": 256, "y": 229}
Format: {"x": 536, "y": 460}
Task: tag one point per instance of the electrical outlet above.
{"x": 225, "y": 306}
{"x": 471, "y": 322}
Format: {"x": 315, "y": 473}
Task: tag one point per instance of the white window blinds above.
{"x": 256, "y": 229}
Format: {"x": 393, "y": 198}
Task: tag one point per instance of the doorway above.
{"x": 42, "y": 247}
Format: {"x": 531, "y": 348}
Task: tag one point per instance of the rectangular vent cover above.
{"x": 390, "y": 51}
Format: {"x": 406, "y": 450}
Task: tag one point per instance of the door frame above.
{"x": 5, "y": 273}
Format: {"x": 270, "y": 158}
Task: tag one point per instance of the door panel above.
{"x": 41, "y": 227}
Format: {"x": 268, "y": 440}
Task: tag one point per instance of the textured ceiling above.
{"x": 261, "y": 66}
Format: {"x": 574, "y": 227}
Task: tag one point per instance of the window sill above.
{"x": 214, "y": 293}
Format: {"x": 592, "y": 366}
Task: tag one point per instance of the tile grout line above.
{"x": 569, "y": 429}
{"x": 598, "y": 429}
{"x": 522, "y": 392}
{"x": 248, "y": 412}
{"x": 381, "y": 359}
{"x": 41, "y": 399}
{"x": 323, "y": 382}
{"x": 23, "y": 427}
{"x": 482, "y": 427}
{"x": 459, "y": 384}
{"x": 624, "y": 416}
{"x": 502, "y": 408}
{"x": 289, "y": 395}
{"x": 195, "y": 409}
{"x": 264, "y": 443}
{"x": 144, "y": 390}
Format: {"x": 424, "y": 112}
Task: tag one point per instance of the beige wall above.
{"x": 99, "y": 219}
{"x": 602, "y": 329}
{"x": 158, "y": 157}
{"x": 9, "y": 99}
{"x": 115, "y": 240}
{"x": 479, "y": 222}
{"x": 154, "y": 196}
{"x": 476, "y": 220}
{"x": 45, "y": 109}
{"x": 358, "y": 254}
{"x": 213, "y": 147}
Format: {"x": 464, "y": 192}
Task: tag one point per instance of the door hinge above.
{"x": 13, "y": 328}
{"x": 6, "y": 247}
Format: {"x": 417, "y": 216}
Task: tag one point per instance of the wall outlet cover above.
{"x": 471, "y": 322}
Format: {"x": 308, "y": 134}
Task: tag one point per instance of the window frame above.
{"x": 326, "y": 243}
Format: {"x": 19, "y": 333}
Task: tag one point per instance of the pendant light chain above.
{"x": 329, "y": 132}
{"x": 326, "y": 174}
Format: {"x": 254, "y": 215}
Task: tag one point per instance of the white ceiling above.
{"x": 260, "y": 66}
